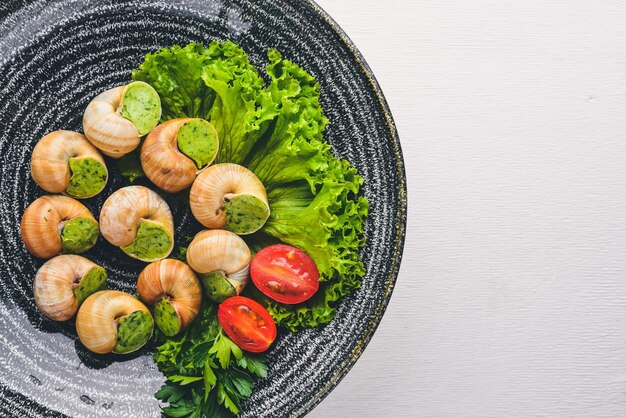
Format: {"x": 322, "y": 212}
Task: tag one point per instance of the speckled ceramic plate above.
{"x": 54, "y": 57}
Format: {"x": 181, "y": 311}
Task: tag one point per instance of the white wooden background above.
{"x": 511, "y": 301}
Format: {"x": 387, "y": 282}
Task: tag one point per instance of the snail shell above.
{"x": 55, "y": 223}
{"x": 65, "y": 162}
{"x": 138, "y": 220}
{"x": 174, "y": 291}
{"x": 64, "y": 282}
{"x": 113, "y": 321}
{"x": 116, "y": 119}
{"x": 177, "y": 150}
{"x": 222, "y": 260}
{"x": 229, "y": 196}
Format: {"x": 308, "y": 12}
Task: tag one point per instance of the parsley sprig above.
{"x": 208, "y": 375}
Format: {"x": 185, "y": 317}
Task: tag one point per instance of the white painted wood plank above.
{"x": 512, "y": 295}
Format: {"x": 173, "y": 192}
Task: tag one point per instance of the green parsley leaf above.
{"x": 180, "y": 409}
{"x": 238, "y": 382}
{"x": 224, "y": 399}
{"x": 170, "y": 393}
{"x": 223, "y": 347}
{"x": 184, "y": 380}
{"x": 208, "y": 374}
{"x": 209, "y": 379}
{"x": 253, "y": 364}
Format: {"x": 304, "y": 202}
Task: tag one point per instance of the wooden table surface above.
{"x": 511, "y": 300}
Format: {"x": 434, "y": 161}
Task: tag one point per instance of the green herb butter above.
{"x": 79, "y": 235}
{"x": 152, "y": 242}
{"x": 142, "y": 106}
{"x": 197, "y": 139}
{"x": 166, "y": 317}
{"x": 92, "y": 282}
{"x": 133, "y": 331}
{"x": 245, "y": 214}
{"x": 88, "y": 177}
{"x": 216, "y": 286}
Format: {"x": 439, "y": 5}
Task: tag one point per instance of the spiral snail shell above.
{"x": 229, "y": 196}
{"x": 65, "y": 162}
{"x": 64, "y": 282}
{"x": 177, "y": 150}
{"x": 56, "y": 224}
{"x": 173, "y": 291}
{"x": 222, "y": 261}
{"x": 139, "y": 221}
{"x": 113, "y": 321}
{"x": 116, "y": 119}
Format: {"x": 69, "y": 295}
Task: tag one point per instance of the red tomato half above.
{"x": 285, "y": 274}
{"x": 247, "y": 323}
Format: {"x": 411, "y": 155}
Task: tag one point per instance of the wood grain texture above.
{"x": 511, "y": 299}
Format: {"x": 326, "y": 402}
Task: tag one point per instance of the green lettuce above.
{"x": 276, "y": 130}
{"x": 176, "y": 74}
{"x": 242, "y": 110}
{"x": 314, "y": 202}
{"x": 296, "y": 149}
{"x": 329, "y": 227}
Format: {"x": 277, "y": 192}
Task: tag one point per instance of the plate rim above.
{"x": 401, "y": 220}
{"x": 401, "y": 215}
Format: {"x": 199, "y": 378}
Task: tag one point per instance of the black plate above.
{"x": 54, "y": 57}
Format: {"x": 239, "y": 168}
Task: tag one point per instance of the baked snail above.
{"x": 65, "y": 162}
{"x": 229, "y": 196}
{"x": 116, "y": 119}
{"x": 64, "y": 282}
{"x": 57, "y": 224}
{"x": 173, "y": 291}
{"x": 177, "y": 150}
{"x": 222, "y": 261}
{"x": 138, "y": 220}
{"x": 113, "y": 321}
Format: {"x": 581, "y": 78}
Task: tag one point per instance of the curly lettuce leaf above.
{"x": 313, "y": 196}
{"x": 295, "y": 149}
{"x": 176, "y": 74}
{"x": 277, "y": 132}
{"x": 329, "y": 227}
{"x": 217, "y": 83}
{"x": 242, "y": 110}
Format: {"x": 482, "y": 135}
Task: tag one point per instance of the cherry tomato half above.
{"x": 285, "y": 274}
{"x": 247, "y": 323}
